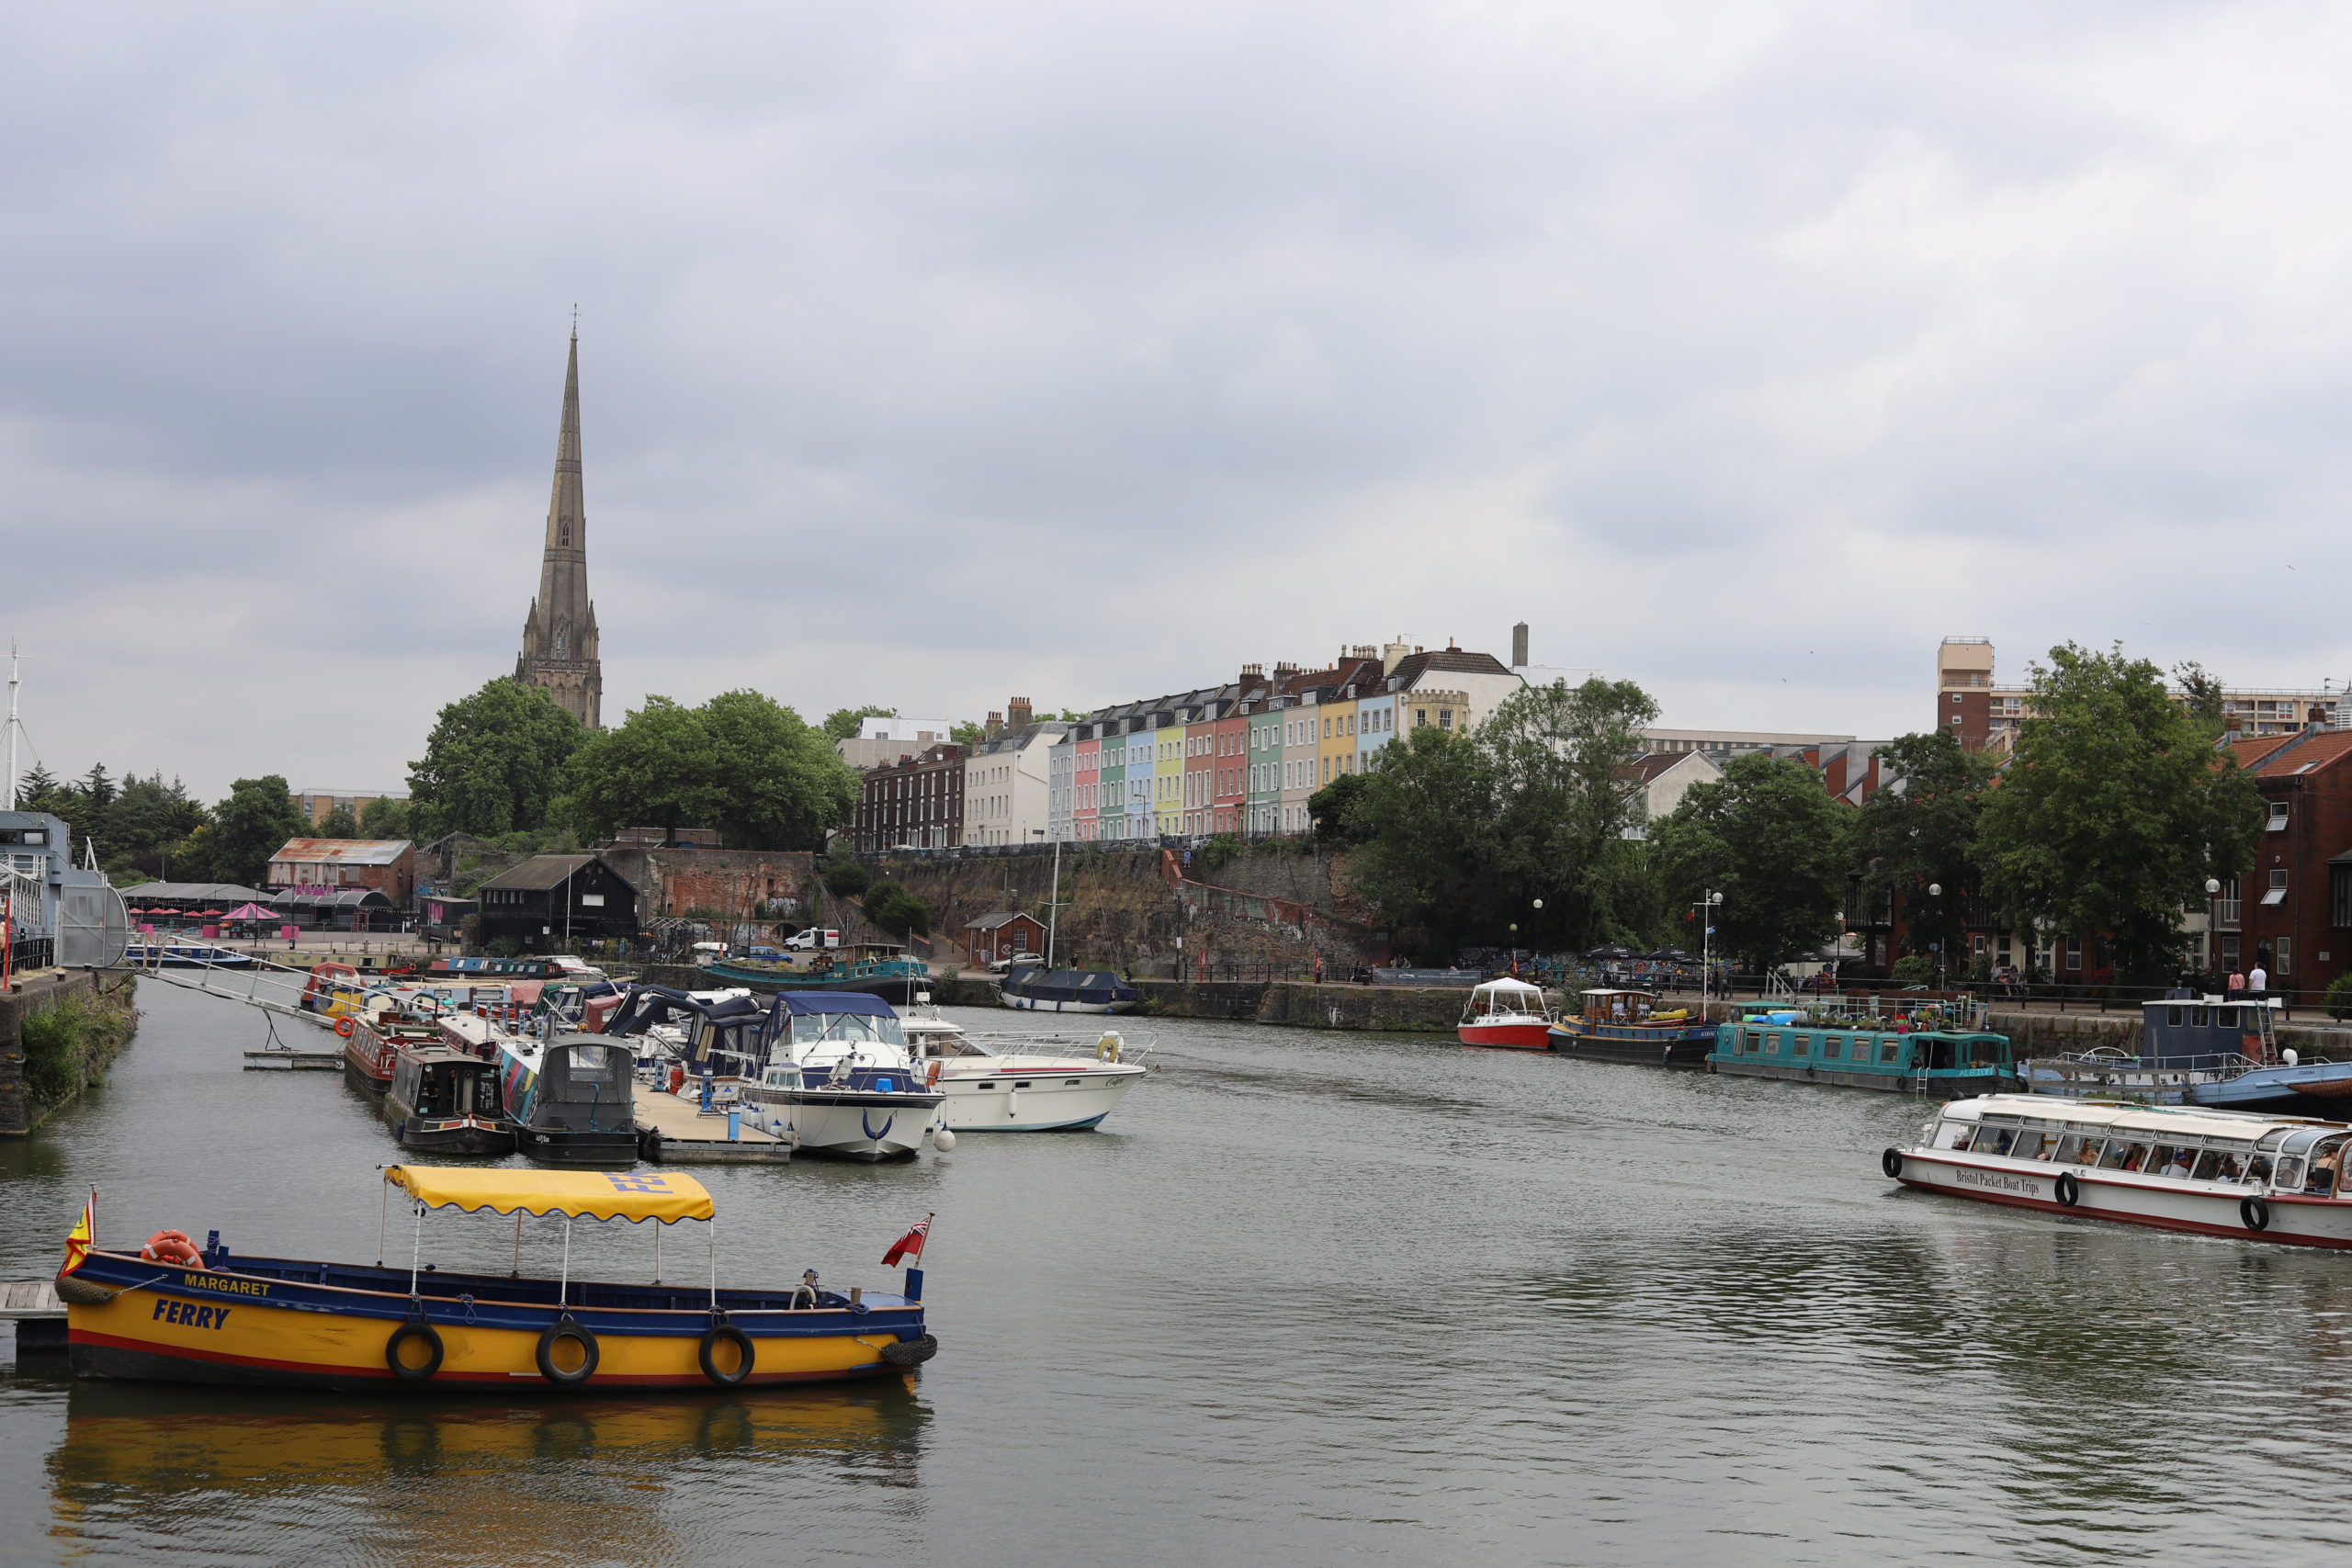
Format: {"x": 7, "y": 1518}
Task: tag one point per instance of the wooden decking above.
{"x": 688, "y": 1137}
{"x": 29, "y": 1298}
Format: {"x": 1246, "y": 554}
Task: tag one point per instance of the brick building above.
{"x": 915, "y": 801}
{"x": 330, "y": 865}
{"x": 992, "y": 937}
{"x": 2292, "y": 913}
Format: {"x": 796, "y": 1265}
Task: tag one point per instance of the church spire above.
{"x": 560, "y": 635}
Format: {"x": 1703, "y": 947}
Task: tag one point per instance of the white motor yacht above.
{"x": 989, "y": 1090}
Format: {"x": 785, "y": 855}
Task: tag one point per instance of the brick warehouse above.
{"x": 2293, "y": 911}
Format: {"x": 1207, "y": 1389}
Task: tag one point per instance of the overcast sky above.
{"x": 934, "y": 353}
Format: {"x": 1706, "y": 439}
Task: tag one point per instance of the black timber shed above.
{"x": 552, "y": 903}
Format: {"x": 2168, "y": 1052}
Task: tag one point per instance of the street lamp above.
{"x": 1713, "y": 902}
{"x": 1935, "y": 891}
{"x": 2213, "y": 925}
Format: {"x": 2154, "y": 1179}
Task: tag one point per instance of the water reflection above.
{"x": 428, "y": 1481}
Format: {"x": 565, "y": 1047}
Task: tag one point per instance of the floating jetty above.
{"x": 676, "y": 1131}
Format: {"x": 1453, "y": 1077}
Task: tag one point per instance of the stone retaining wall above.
{"x": 112, "y": 997}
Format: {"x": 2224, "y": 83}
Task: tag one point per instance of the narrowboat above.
{"x": 1864, "y": 1053}
{"x": 878, "y": 968}
{"x": 447, "y": 1102}
{"x": 1627, "y": 1026}
{"x": 372, "y": 1042}
{"x": 171, "y": 1312}
{"x": 571, "y": 1099}
{"x": 1509, "y": 1015}
{"x": 2224, "y": 1173}
{"x": 1026, "y": 989}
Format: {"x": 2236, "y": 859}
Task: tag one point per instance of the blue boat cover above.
{"x": 800, "y": 1002}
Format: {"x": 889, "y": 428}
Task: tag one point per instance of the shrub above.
{"x": 845, "y": 878}
{"x": 60, "y": 1042}
{"x": 894, "y": 909}
{"x": 2339, "y": 997}
{"x": 1913, "y": 969}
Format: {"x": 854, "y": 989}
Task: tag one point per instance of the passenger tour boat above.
{"x": 1627, "y": 1026}
{"x": 2176, "y": 1167}
{"x": 1510, "y": 1014}
{"x": 988, "y": 1089}
{"x": 171, "y": 1311}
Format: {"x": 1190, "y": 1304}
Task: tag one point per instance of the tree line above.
{"x": 2114, "y": 805}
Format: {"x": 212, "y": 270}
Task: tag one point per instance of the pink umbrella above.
{"x": 250, "y": 912}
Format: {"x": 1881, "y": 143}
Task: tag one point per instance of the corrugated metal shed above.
{"x": 342, "y": 852}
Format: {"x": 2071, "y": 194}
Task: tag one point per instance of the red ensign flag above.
{"x": 908, "y": 1246}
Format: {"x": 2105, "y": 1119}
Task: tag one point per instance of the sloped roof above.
{"x": 2283, "y": 756}
{"x": 188, "y": 892}
{"x": 542, "y": 872}
{"x": 991, "y": 922}
{"x": 343, "y": 852}
{"x": 1411, "y": 669}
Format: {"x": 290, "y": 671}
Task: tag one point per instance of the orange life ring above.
{"x": 170, "y": 1247}
{"x": 932, "y": 1080}
{"x": 343, "y": 1027}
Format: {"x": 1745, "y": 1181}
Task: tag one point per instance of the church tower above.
{"x": 560, "y": 637}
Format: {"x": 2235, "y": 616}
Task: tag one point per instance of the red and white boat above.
{"x": 1510, "y": 1014}
{"x": 2181, "y": 1167}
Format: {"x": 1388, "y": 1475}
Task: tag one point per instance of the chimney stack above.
{"x": 1016, "y": 713}
{"x": 993, "y": 727}
{"x": 1519, "y": 646}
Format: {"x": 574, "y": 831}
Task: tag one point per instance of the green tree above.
{"x": 495, "y": 763}
{"x": 841, "y": 723}
{"x": 659, "y": 769}
{"x": 144, "y": 825}
{"x": 1333, "y": 810}
{"x": 2203, "y": 694}
{"x": 892, "y": 908}
{"x": 1923, "y": 834}
{"x": 97, "y": 790}
{"x": 843, "y": 877}
{"x": 1767, "y": 837}
{"x": 1566, "y": 796}
{"x": 2115, "y": 807}
{"x": 967, "y": 733}
{"x": 384, "y": 817}
{"x": 1428, "y": 839}
{"x": 251, "y": 826}
{"x": 781, "y": 785}
{"x": 338, "y": 823}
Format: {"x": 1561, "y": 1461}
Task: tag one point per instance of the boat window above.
{"x": 2225, "y": 1018}
{"x": 2028, "y": 1146}
{"x": 2290, "y": 1174}
{"x": 2003, "y": 1140}
{"x": 808, "y": 1028}
{"x": 2326, "y": 1165}
{"x": 595, "y": 1074}
{"x": 1773, "y": 1043}
{"x": 1797, "y": 1043}
{"x": 2069, "y": 1149}
{"x": 1889, "y": 1049}
{"x": 2118, "y": 1150}
{"x": 2172, "y": 1159}
{"x": 2196, "y": 1017}
{"x": 1953, "y": 1134}
{"x": 1833, "y": 1047}
{"x": 2208, "y": 1166}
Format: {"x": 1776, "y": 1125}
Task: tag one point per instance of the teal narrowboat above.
{"x": 1865, "y": 1053}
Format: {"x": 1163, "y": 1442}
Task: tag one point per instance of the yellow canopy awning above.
{"x": 584, "y": 1194}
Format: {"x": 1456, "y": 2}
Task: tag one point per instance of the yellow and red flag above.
{"x": 78, "y": 1239}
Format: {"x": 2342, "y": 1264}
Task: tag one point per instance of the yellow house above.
{"x": 1168, "y": 777}
{"x": 1336, "y": 753}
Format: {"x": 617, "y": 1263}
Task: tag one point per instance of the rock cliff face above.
{"x": 1119, "y": 910}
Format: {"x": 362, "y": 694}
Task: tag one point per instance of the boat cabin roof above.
{"x": 2179, "y": 1121}
{"x": 582, "y": 1194}
{"x": 1604, "y": 991}
{"x": 1507, "y": 988}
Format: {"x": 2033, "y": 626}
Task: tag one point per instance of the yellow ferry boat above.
{"x": 178, "y": 1313}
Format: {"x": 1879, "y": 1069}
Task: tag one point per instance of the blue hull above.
{"x": 2313, "y": 1088}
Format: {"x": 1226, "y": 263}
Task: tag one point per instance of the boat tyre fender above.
{"x": 577, "y": 1366}
{"x": 648, "y": 1146}
{"x": 1890, "y": 1162}
{"x": 414, "y": 1350}
{"x": 726, "y": 1368}
{"x": 2070, "y": 1192}
{"x": 911, "y": 1353}
{"x": 343, "y": 1027}
{"x": 2254, "y": 1213}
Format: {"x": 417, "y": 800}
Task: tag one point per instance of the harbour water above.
{"x": 1309, "y": 1298}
